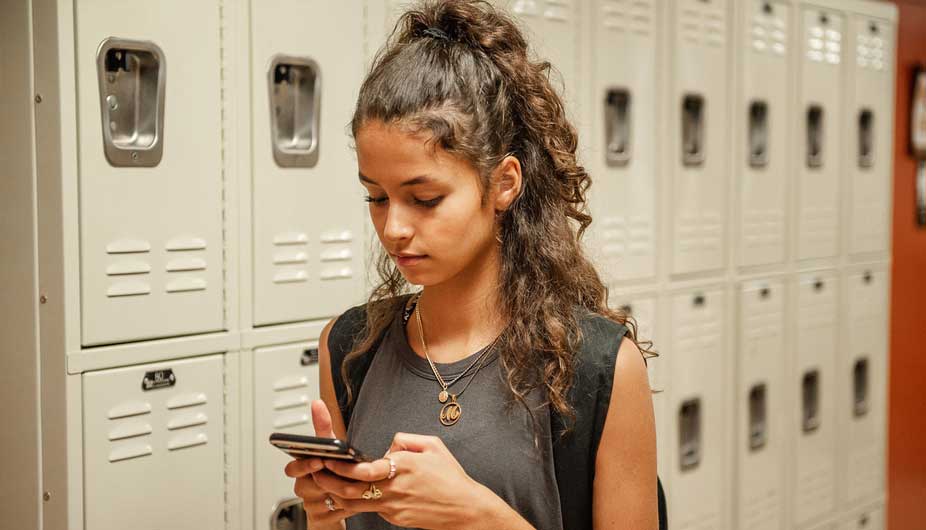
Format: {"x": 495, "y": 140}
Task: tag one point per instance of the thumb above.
{"x": 321, "y": 419}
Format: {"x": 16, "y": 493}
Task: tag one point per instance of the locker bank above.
{"x": 168, "y": 264}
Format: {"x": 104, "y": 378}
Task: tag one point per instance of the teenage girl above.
{"x": 503, "y": 392}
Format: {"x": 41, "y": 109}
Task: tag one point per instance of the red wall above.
{"x": 906, "y": 479}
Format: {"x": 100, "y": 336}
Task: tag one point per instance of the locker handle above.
{"x": 289, "y": 514}
{"x": 693, "y": 130}
{"x": 860, "y": 388}
{"x": 132, "y": 77}
{"x": 758, "y": 417}
{"x": 295, "y": 98}
{"x": 866, "y": 137}
{"x": 758, "y": 134}
{"x": 617, "y": 127}
{"x": 810, "y": 401}
{"x": 309, "y": 356}
{"x": 814, "y": 136}
{"x": 689, "y": 429}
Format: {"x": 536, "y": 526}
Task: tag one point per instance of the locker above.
{"x": 623, "y": 138}
{"x": 814, "y": 384}
{"x": 761, "y": 416}
{"x": 307, "y": 205}
{"x": 697, "y": 423}
{"x": 150, "y": 169}
{"x": 869, "y": 158}
{"x": 698, "y": 118}
{"x": 154, "y": 446}
{"x": 285, "y": 383}
{"x": 762, "y": 143}
{"x": 867, "y": 519}
{"x": 863, "y": 393}
{"x": 819, "y": 153}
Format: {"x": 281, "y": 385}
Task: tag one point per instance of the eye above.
{"x": 375, "y": 200}
{"x": 430, "y": 203}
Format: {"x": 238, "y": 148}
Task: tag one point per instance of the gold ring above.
{"x": 372, "y": 493}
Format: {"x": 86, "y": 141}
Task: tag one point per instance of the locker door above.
{"x": 868, "y": 519}
{"x": 154, "y": 447}
{"x": 697, "y": 423}
{"x": 863, "y": 369}
{"x": 623, "y": 138}
{"x": 698, "y": 114}
{"x": 869, "y": 157}
{"x": 308, "y": 211}
{"x": 762, "y": 144}
{"x": 761, "y": 418}
{"x": 150, "y": 169}
{"x": 819, "y": 151}
{"x": 814, "y": 392}
{"x": 285, "y": 383}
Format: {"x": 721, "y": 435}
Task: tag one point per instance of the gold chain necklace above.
{"x": 451, "y": 410}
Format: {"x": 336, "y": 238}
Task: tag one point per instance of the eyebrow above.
{"x": 421, "y": 179}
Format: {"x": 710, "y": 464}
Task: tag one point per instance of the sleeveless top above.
{"x": 573, "y": 454}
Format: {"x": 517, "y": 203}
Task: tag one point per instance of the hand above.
{"x": 430, "y": 488}
{"x": 304, "y": 470}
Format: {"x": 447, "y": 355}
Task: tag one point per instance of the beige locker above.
{"x": 761, "y": 402}
{"x": 863, "y": 366}
{"x": 867, "y": 519}
{"x": 813, "y": 385}
{"x": 697, "y": 424}
{"x": 698, "y": 149}
{"x": 869, "y": 158}
{"x": 762, "y": 141}
{"x": 285, "y": 384}
{"x": 308, "y": 212}
{"x": 622, "y": 154}
{"x": 150, "y": 172}
{"x": 154, "y": 446}
{"x": 819, "y": 152}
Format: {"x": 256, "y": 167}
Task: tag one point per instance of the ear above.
{"x": 506, "y": 180}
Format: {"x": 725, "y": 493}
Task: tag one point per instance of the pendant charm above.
{"x": 442, "y": 397}
{"x": 451, "y": 412}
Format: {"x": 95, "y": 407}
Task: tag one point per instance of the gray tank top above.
{"x": 493, "y": 439}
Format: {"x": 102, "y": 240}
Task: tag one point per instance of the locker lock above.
{"x": 765, "y": 292}
{"x": 818, "y": 285}
{"x": 309, "y": 356}
{"x": 867, "y": 277}
{"x": 698, "y": 300}
{"x": 824, "y": 19}
{"x": 873, "y": 28}
{"x": 767, "y": 8}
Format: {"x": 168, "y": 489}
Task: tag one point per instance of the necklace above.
{"x": 451, "y": 410}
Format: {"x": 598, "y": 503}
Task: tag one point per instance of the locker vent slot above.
{"x": 628, "y": 15}
{"x": 617, "y": 127}
{"x": 758, "y": 134}
{"x": 295, "y": 98}
{"x": 866, "y": 138}
{"x": 860, "y": 403}
{"x": 132, "y": 85}
{"x": 689, "y": 430}
{"x": 815, "y": 136}
{"x": 810, "y": 400}
{"x": 870, "y": 49}
{"x": 186, "y": 400}
{"x": 692, "y": 130}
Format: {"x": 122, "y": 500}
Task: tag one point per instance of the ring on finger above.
{"x": 372, "y": 493}
{"x": 329, "y": 502}
{"x": 391, "y": 468}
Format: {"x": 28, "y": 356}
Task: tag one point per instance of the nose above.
{"x": 398, "y": 225}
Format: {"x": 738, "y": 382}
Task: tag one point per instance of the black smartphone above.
{"x": 299, "y": 446}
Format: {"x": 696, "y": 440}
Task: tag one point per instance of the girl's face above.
{"x": 425, "y": 204}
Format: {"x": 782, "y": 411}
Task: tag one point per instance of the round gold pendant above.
{"x": 450, "y": 413}
{"x": 442, "y": 397}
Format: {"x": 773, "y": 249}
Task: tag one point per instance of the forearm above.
{"x": 490, "y": 512}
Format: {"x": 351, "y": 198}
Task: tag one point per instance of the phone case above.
{"x": 298, "y": 446}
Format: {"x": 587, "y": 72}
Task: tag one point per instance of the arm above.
{"x": 625, "y": 466}
{"x": 326, "y": 383}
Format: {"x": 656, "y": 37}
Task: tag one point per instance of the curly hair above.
{"x": 461, "y": 71}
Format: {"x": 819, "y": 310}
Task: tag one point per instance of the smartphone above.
{"x": 298, "y": 446}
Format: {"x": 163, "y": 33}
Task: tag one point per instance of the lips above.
{"x": 406, "y": 260}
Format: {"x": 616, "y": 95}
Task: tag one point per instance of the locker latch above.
{"x": 860, "y": 388}
{"x": 810, "y": 401}
{"x": 758, "y": 417}
{"x": 309, "y": 356}
{"x": 295, "y": 96}
{"x": 132, "y": 83}
{"x": 866, "y": 137}
{"x": 758, "y": 134}
{"x": 289, "y": 515}
{"x": 815, "y": 136}
{"x": 693, "y": 130}
{"x": 617, "y": 127}
{"x": 689, "y": 432}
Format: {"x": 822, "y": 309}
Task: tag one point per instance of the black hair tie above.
{"x": 437, "y": 33}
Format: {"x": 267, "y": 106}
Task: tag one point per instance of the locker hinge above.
{"x": 222, "y": 139}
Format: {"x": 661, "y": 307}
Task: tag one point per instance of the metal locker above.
{"x": 762, "y": 144}
{"x": 623, "y": 138}
{"x": 308, "y": 211}
{"x": 863, "y": 368}
{"x": 697, "y": 423}
{"x": 154, "y": 446}
{"x": 819, "y": 151}
{"x": 150, "y": 170}
{"x": 867, "y": 519}
{"x": 285, "y": 383}
{"x": 869, "y": 157}
{"x": 698, "y": 118}
{"x": 814, "y": 384}
{"x": 761, "y": 416}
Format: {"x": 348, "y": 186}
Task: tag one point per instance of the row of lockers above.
{"x": 804, "y": 410}
{"x": 765, "y": 125}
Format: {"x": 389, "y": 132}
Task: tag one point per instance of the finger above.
{"x": 363, "y": 505}
{"x": 321, "y": 419}
{"x": 333, "y": 484}
{"x": 319, "y": 514}
{"x": 416, "y": 443}
{"x": 366, "y": 471}
{"x": 301, "y": 467}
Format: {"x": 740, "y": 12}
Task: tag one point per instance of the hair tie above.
{"x": 437, "y": 33}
